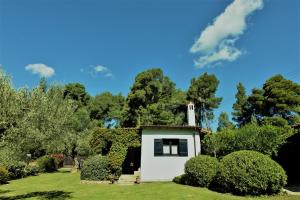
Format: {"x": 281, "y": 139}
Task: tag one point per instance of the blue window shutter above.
{"x": 158, "y": 147}
{"x": 183, "y": 148}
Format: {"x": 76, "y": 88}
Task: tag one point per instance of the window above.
{"x": 191, "y": 107}
{"x": 170, "y": 147}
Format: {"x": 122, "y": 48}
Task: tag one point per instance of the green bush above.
{"x": 267, "y": 139}
{"x": 181, "y": 179}
{"x": 116, "y": 158}
{"x": 250, "y": 172}
{"x": 4, "y": 175}
{"x": 31, "y": 170}
{"x": 114, "y": 143}
{"x": 16, "y": 170}
{"x": 95, "y": 168}
{"x": 46, "y": 164}
{"x": 201, "y": 170}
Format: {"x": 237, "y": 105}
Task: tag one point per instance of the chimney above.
{"x": 191, "y": 114}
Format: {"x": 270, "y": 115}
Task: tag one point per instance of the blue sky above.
{"x": 104, "y": 44}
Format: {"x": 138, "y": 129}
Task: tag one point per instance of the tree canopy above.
{"x": 61, "y": 118}
{"x": 153, "y": 99}
{"x": 76, "y": 92}
{"x": 202, "y": 92}
{"x": 224, "y": 122}
{"x": 107, "y": 108}
{"x": 239, "y": 105}
{"x": 278, "y": 97}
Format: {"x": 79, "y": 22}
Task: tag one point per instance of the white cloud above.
{"x": 41, "y": 69}
{"x": 216, "y": 42}
{"x": 100, "y": 69}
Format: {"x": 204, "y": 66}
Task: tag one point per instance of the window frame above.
{"x": 178, "y": 144}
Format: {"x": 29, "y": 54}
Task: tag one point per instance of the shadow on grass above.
{"x": 4, "y": 191}
{"x": 63, "y": 171}
{"x": 53, "y": 195}
{"x": 294, "y": 188}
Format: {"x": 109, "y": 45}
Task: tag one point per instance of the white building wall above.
{"x": 165, "y": 168}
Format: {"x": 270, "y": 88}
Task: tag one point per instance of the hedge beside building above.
{"x": 114, "y": 143}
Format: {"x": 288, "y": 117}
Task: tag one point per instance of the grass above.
{"x": 64, "y": 185}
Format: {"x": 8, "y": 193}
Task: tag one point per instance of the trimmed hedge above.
{"x": 4, "y": 175}
{"x": 116, "y": 158}
{"x": 46, "y": 164}
{"x": 250, "y": 172}
{"x": 95, "y": 168}
{"x": 201, "y": 170}
{"x": 114, "y": 144}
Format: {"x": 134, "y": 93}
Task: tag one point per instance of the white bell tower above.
{"x": 191, "y": 114}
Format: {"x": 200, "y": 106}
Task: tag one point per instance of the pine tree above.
{"x": 202, "y": 92}
{"x": 224, "y": 122}
{"x": 239, "y": 105}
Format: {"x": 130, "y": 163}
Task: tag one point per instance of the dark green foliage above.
{"x": 224, "y": 122}
{"x": 83, "y": 145}
{"x": 95, "y": 168}
{"x": 282, "y": 97}
{"x": 213, "y": 144}
{"x": 81, "y": 120}
{"x": 76, "y": 92}
{"x": 279, "y": 97}
{"x": 169, "y": 112}
{"x": 31, "y": 170}
{"x": 250, "y": 172}
{"x": 107, "y": 108}
{"x": 46, "y": 164}
{"x": 239, "y": 106}
{"x": 116, "y": 157}
{"x": 4, "y": 175}
{"x": 201, "y": 170}
{"x": 287, "y": 158}
{"x": 255, "y": 105}
{"x": 266, "y": 139}
{"x": 275, "y": 121}
{"x": 114, "y": 143}
{"x": 153, "y": 99}
{"x": 181, "y": 179}
{"x": 16, "y": 170}
{"x": 202, "y": 92}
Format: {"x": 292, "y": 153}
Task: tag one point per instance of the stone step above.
{"x": 127, "y": 179}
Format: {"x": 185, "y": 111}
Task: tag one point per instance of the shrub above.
{"x": 181, "y": 179}
{"x": 4, "y": 175}
{"x": 116, "y": 158}
{"x": 16, "y": 170}
{"x": 266, "y": 139}
{"x": 46, "y": 164}
{"x": 31, "y": 170}
{"x": 58, "y": 159}
{"x": 201, "y": 170}
{"x": 115, "y": 143}
{"x": 95, "y": 168}
{"x": 250, "y": 172}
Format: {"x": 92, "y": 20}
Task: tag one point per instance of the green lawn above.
{"x": 64, "y": 185}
